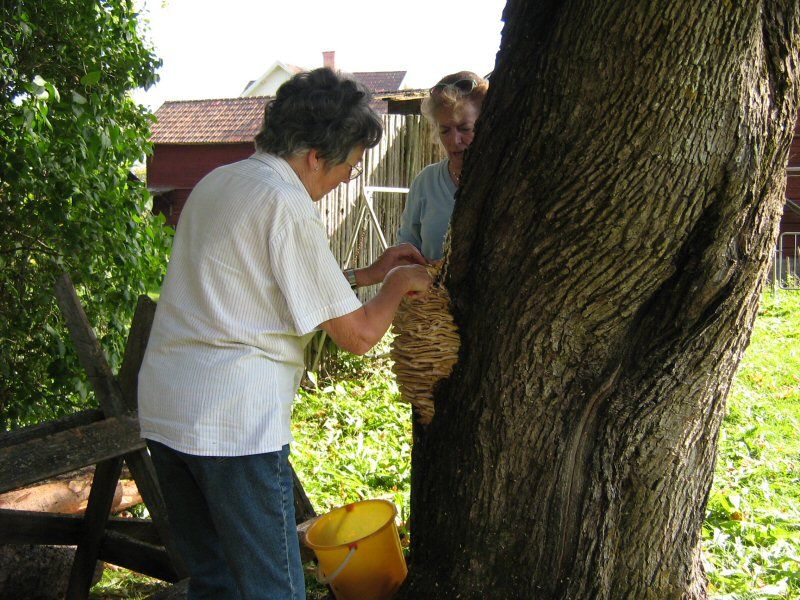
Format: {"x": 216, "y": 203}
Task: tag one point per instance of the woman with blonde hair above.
{"x": 453, "y": 106}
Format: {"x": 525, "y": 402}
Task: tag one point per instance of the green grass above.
{"x": 752, "y": 532}
{"x": 353, "y": 441}
{"x": 122, "y": 583}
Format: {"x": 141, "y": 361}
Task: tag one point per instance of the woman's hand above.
{"x": 394, "y": 256}
{"x": 415, "y": 279}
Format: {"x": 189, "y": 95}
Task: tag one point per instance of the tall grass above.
{"x": 353, "y": 437}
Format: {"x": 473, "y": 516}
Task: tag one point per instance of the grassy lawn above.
{"x": 353, "y": 441}
{"x": 752, "y": 533}
{"x": 353, "y": 438}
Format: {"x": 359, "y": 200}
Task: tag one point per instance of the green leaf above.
{"x": 91, "y": 78}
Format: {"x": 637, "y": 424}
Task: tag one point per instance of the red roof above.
{"x": 215, "y": 121}
{"x": 380, "y": 81}
{"x": 218, "y": 121}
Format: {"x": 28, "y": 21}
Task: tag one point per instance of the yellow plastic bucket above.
{"x": 359, "y": 551}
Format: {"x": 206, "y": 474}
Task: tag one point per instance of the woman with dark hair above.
{"x": 250, "y": 278}
{"x": 452, "y": 107}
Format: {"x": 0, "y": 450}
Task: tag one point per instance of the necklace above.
{"x": 456, "y": 177}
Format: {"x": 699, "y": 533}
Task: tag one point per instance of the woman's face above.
{"x": 456, "y": 130}
{"x": 328, "y": 178}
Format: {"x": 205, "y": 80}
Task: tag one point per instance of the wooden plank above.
{"x": 138, "y": 337}
{"x": 23, "y": 434}
{"x": 306, "y": 553}
{"x": 180, "y": 590}
{"x": 105, "y": 480}
{"x": 141, "y": 529}
{"x": 90, "y": 353}
{"x": 136, "y": 555}
{"x": 27, "y": 527}
{"x": 139, "y": 463}
{"x": 130, "y": 543}
{"x": 66, "y": 451}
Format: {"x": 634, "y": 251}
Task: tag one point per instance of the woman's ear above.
{"x": 313, "y": 160}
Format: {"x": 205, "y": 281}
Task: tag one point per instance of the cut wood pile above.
{"x": 425, "y": 347}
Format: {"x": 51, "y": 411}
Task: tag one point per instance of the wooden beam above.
{"x": 303, "y": 509}
{"x": 138, "y": 337}
{"x": 142, "y": 471}
{"x": 26, "y": 527}
{"x": 139, "y": 463}
{"x": 136, "y": 555}
{"x": 23, "y": 434}
{"x": 179, "y": 591}
{"x": 66, "y": 451}
{"x": 90, "y": 353}
{"x": 139, "y": 529}
{"x": 101, "y": 498}
{"x": 51, "y": 529}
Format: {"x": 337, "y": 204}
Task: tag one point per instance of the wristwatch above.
{"x": 351, "y": 277}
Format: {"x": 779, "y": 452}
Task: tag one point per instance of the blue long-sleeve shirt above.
{"x": 428, "y": 208}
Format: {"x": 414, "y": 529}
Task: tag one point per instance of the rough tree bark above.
{"x": 610, "y": 241}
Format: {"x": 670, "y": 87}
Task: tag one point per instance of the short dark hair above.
{"x": 319, "y": 109}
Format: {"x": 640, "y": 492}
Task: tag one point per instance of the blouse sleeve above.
{"x": 309, "y": 277}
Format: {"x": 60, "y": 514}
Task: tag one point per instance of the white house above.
{"x": 271, "y": 80}
{"x": 375, "y": 81}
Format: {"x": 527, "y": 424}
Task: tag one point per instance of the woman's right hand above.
{"x": 414, "y": 278}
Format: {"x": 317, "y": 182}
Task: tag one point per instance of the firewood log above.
{"x": 67, "y": 496}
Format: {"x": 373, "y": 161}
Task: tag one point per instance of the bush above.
{"x": 70, "y": 135}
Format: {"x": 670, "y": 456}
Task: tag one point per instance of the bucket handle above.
{"x": 328, "y": 580}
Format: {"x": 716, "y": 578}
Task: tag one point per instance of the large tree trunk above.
{"x": 616, "y": 220}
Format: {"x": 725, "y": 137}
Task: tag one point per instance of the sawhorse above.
{"x": 106, "y": 437}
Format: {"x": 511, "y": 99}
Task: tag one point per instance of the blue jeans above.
{"x": 233, "y": 523}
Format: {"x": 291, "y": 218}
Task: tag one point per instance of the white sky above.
{"x": 212, "y": 48}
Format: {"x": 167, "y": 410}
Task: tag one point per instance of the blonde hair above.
{"x": 452, "y": 99}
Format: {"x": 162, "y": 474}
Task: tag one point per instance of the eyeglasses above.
{"x": 462, "y": 86}
{"x": 355, "y": 170}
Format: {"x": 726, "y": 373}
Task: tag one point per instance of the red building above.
{"x": 191, "y": 138}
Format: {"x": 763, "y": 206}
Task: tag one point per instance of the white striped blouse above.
{"x": 251, "y": 275}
